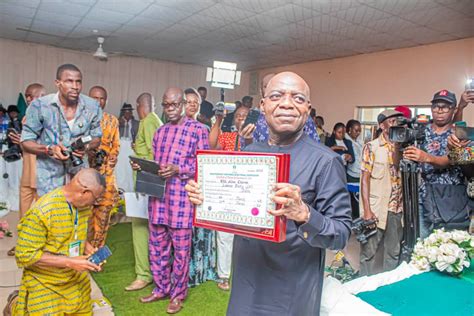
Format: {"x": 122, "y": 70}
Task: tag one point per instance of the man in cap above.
{"x": 381, "y": 196}
{"x": 432, "y": 156}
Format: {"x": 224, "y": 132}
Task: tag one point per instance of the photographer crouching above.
{"x": 381, "y": 197}
{"x": 443, "y": 198}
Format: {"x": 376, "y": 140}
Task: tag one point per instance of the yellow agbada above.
{"x": 49, "y": 227}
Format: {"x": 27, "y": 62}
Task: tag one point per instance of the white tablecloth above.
{"x": 10, "y": 174}
{"x": 123, "y": 171}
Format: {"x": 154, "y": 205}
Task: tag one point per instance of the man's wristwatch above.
{"x": 49, "y": 150}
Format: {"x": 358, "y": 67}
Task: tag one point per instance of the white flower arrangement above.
{"x": 448, "y": 252}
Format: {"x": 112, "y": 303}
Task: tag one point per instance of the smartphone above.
{"x": 470, "y": 85}
{"x": 101, "y": 255}
{"x": 464, "y": 133}
{"x": 252, "y": 118}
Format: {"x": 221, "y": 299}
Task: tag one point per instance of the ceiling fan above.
{"x": 100, "y": 54}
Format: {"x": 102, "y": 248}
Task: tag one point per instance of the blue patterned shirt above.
{"x": 437, "y": 145}
{"x": 261, "y": 133}
{"x": 46, "y": 124}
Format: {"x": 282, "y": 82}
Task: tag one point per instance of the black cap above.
{"x": 387, "y": 114}
{"x": 13, "y": 108}
{"x": 126, "y": 107}
{"x": 444, "y": 95}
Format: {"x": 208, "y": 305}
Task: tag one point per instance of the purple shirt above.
{"x": 177, "y": 145}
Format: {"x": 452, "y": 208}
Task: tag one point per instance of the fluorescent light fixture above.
{"x": 223, "y": 75}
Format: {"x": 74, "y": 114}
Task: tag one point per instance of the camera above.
{"x": 78, "y": 145}
{"x": 14, "y": 152}
{"x": 100, "y": 158}
{"x": 363, "y": 229}
{"x": 408, "y": 132}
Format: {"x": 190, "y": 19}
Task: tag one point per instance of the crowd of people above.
{"x": 72, "y": 146}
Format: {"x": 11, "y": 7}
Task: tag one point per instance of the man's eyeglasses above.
{"x": 441, "y": 107}
{"x": 174, "y": 105}
{"x": 297, "y": 98}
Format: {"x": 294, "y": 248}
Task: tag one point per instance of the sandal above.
{"x": 224, "y": 285}
{"x": 11, "y": 252}
{"x": 11, "y": 301}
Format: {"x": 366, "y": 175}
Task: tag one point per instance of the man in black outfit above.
{"x": 206, "y": 113}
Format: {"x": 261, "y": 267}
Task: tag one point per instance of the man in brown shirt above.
{"x": 28, "y": 177}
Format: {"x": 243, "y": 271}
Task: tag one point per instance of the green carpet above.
{"x": 118, "y": 272}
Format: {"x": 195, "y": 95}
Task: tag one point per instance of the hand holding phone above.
{"x": 100, "y": 255}
{"x": 252, "y": 118}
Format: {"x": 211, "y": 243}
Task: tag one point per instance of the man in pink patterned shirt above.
{"x": 170, "y": 217}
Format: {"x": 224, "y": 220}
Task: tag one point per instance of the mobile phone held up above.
{"x": 252, "y": 118}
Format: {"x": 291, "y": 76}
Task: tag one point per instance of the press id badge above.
{"x": 75, "y": 248}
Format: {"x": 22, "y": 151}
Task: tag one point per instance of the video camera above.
{"x": 78, "y": 145}
{"x": 13, "y": 153}
{"x": 363, "y": 229}
{"x": 409, "y": 132}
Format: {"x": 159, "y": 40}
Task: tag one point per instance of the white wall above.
{"x": 124, "y": 77}
{"x": 395, "y": 77}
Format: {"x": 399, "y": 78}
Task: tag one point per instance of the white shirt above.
{"x": 353, "y": 169}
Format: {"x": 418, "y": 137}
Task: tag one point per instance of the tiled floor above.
{"x": 10, "y": 275}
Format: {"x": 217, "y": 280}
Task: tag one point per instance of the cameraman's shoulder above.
{"x": 89, "y": 102}
{"x": 43, "y": 101}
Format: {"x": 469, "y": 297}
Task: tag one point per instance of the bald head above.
{"x": 33, "y": 92}
{"x": 85, "y": 188}
{"x": 288, "y": 79}
{"x": 145, "y": 104}
{"x": 173, "y": 104}
{"x": 100, "y": 94}
{"x": 264, "y": 83}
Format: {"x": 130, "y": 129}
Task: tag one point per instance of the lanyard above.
{"x": 76, "y": 219}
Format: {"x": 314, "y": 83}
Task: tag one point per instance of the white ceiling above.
{"x": 253, "y": 33}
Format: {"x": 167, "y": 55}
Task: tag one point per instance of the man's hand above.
{"x": 247, "y": 131}
{"x": 135, "y": 166}
{"x": 368, "y": 215}
{"x": 81, "y": 264}
{"x": 289, "y": 196}
{"x": 58, "y": 152}
{"x": 347, "y": 157}
{"x": 89, "y": 250}
{"x": 466, "y": 98}
{"x": 15, "y": 138}
{"x": 112, "y": 161}
{"x": 454, "y": 142}
{"x": 79, "y": 153}
{"x": 415, "y": 154}
{"x": 194, "y": 192}
{"x": 168, "y": 171}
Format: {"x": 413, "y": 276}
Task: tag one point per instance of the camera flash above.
{"x": 469, "y": 81}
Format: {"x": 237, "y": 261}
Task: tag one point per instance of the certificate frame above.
{"x": 275, "y": 233}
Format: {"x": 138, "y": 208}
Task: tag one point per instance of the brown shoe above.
{"x": 174, "y": 306}
{"x": 11, "y": 301}
{"x": 224, "y": 285}
{"x": 11, "y": 252}
{"x": 151, "y": 298}
{"x": 137, "y": 285}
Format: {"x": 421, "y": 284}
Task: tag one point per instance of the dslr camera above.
{"x": 78, "y": 145}
{"x": 14, "y": 152}
{"x": 364, "y": 229}
{"x": 409, "y": 132}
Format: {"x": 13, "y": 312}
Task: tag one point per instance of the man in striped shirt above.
{"x": 51, "y": 249}
{"x": 170, "y": 217}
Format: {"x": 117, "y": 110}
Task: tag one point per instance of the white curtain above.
{"x": 124, "y": 77}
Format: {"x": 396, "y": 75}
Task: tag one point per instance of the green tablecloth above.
{"x": 430, "y": 293}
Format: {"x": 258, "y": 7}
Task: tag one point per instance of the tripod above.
{"x": 411, "y": 223}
